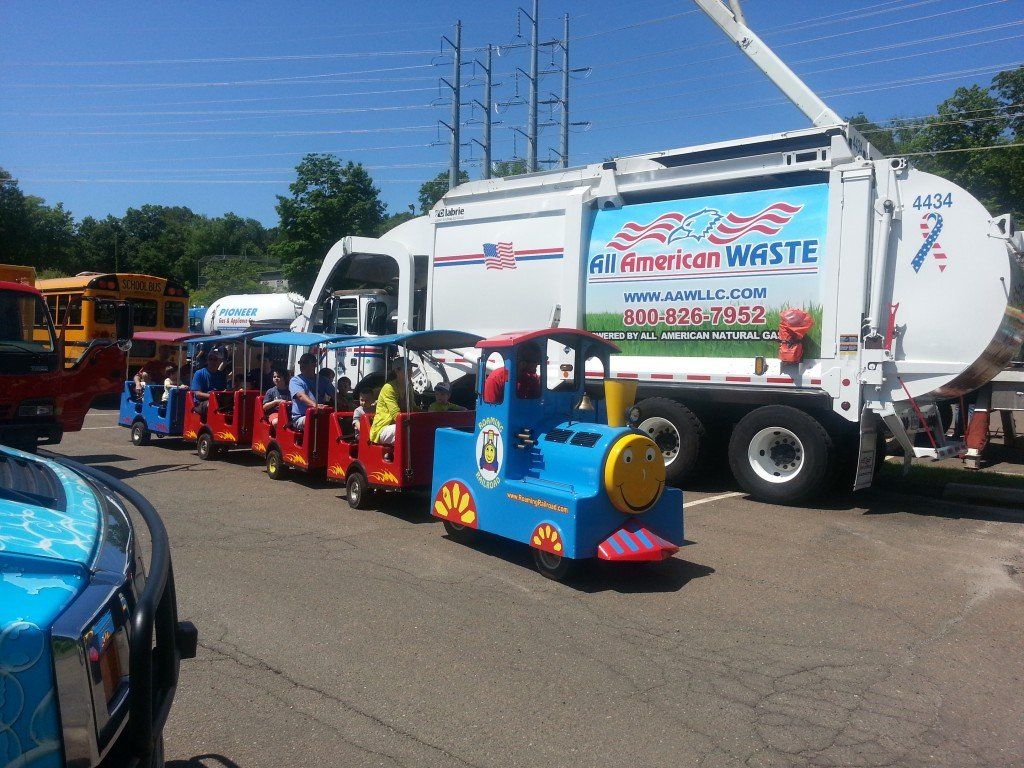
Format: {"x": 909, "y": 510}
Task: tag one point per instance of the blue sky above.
{"x": 107, "y": 105}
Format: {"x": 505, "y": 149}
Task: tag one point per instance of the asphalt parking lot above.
{"x": 881, "y": 630}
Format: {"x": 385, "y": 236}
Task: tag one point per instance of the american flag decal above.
{"x": 499, "y": 256}
{"x": 770, "y": 221}
{"x": 658, "y": 230}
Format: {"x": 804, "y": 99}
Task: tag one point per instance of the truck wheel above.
{"x": 780, "y": 454}
{"x": 205, "y": 446}
{"x": 276, "y": 468}
{"x": 356, "y": 491}
{"x": 678, "y": 433}
{"x": 140, "y": 433}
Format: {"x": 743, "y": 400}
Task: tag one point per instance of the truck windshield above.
{"x": 25, "y": 322}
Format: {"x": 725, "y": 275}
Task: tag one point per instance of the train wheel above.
{"x": 357, "y": 490}
{"x": 552, "y": 566}
{"x": 205, "y": 446}
{"x": 781, "y": 455}
{"x": 276, "y": 468}
{"x": 140, "y": 433}
{"x": 460, "y": 533}
{"x": 678, "y": 433}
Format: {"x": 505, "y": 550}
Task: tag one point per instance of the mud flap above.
{"x": 867, "y": 453}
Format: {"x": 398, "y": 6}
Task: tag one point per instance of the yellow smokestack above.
{"x": 619, "y": 397}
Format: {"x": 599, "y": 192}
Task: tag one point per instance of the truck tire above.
{"x": 780, "y": 454}
{"x": 678, "y": 433}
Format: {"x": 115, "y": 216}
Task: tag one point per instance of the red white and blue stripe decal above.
{"x": 528, "y": 254}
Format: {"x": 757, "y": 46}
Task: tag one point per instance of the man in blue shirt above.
{"x": 303, "y": 389}
{"x": 208, "y": 379}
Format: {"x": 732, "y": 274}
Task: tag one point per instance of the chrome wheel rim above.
{"x": 776, "y": 454}
{"x": 664, "y": 433}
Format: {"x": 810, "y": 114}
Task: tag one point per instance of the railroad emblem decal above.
{"x": 490, "y": 452}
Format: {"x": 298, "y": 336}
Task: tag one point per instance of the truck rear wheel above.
{"x": 678, "y": 433}
{"x": 780, "y": 454}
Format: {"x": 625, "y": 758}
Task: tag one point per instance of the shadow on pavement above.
{"x": 100, "y": 458}
{"x": 203, "y": 761}
{"x": 153, "y": 469}
{"x": 596, "y": 575}
{"x": 410, "y": 507}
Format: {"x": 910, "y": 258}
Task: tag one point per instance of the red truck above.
{"x": 40, "y": 399}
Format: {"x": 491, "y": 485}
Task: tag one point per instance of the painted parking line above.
{"x": 708, "y": 499}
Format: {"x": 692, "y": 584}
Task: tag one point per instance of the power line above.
{"x": 219, "y": 59}
{"x": 963, "y": 149}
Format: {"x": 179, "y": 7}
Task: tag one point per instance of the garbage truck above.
{"x": 777, "y": 298}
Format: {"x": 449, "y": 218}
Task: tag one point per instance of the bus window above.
{"x": 104, "y": 312}
{"x": 51, "y": 303}
{"x": 144, "y": 312}
{"x": 174, "y": 314}
{"x": 74, "y": 309}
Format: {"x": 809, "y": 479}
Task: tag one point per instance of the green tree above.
{"x": 433, "y": 190}
{"x": 32, "y": 232}
{"x": 226, "y": 277}
{"x": 99, "y": 244}
{"x": 508, "y": 168}
{"x": 328, "y": 201}
{"x": 393, "y": 220}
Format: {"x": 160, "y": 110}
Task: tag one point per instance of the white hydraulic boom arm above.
{"x": 730, "y": 20}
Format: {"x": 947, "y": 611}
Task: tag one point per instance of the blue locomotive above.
{"x": 538, "y": 468}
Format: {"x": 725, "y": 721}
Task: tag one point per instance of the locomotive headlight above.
{"x": 634, "y": 474}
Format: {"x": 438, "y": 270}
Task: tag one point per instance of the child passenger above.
{"x": 170, "y": 382}
{"x": 442, "y": 400}
{"x": 367, "y": 400}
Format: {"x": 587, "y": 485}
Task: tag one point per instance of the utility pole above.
{"x": 485, "y": 107}
{"x": 563, "y": 150}
{"x": 531, "y": 128}
{"x": 456, "y": 87}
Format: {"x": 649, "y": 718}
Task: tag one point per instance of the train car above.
{"x": 283, "y": 447}
{"x": 227, "y": 421}
{"x": 367, "y": 467}
{"x": 539, "y": 469}
{"x": 156, "y": 411}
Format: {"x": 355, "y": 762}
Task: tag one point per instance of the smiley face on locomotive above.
{"x": 548, "y": 467}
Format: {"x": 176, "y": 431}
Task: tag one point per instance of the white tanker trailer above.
{"x": 242, "y": 311}
{"x": 905, "y": 289}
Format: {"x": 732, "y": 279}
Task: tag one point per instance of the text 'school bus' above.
{"x": 84, "y": 307}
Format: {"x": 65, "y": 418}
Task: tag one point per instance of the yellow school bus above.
{"x": 83, "y": 308}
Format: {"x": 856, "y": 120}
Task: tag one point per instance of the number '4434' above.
{"x": 938, "y": 200}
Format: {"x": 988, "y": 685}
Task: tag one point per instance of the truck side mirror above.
{"x": 123, "y": 324}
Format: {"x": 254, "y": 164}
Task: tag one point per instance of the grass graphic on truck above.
{"x": 708, "y": 276}
{"x": 647, "y": 339}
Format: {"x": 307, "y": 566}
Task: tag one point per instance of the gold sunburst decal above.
{"x": 259, "y": 447}
{"x": 546, "y": 537}
{"x": 384, "y": 477}
{"x": 226, "y": 436}
{"x": 455, "y": 503}
{"x": 336, "y": 470}
{"x": 190, "y": 435}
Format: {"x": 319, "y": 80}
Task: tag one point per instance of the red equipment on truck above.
{"x": 40, "y": 399}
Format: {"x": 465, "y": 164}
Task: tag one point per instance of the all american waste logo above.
{"x": 709, "y": 241}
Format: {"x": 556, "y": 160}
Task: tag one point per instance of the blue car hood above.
{"x": 45, "y": 554}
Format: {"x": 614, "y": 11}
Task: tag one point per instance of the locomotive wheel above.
{"x": 678, "y": 433}
{"x": 140, "y": 433}
{"x": 276, "y": 468}
{"x": 205, "y": 447}
{"x": 781, "y": 455}
{"x": 357, "y": 491}
{"x": 552, "y": 566}
{"x": 463, "y": 534}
